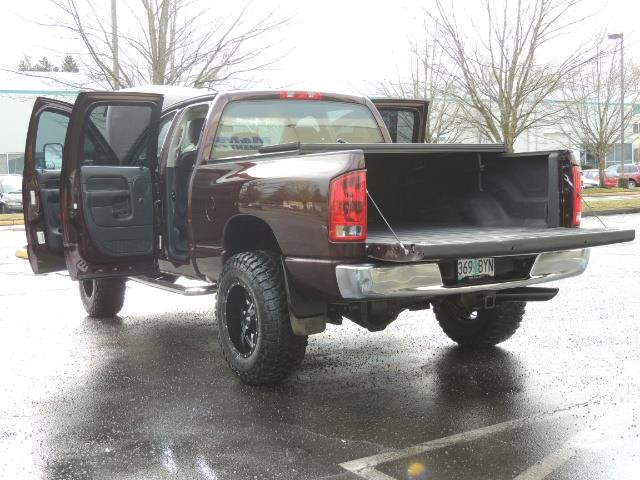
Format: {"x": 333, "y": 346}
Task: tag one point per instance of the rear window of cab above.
{"x": 247, "y": 125}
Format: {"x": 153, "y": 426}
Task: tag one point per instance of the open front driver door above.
{"x": 41, "y": 184}
{"x": 109, "y": 187}
{"x": 405, "y": 119}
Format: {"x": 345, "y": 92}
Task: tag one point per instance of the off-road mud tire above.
{"x": 489, "y": 327}
{"x": 277, "y": 351}
{"x": 102, "y": 297}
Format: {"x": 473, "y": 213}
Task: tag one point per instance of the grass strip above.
{"x": 621, "y": 204}
{"x": 596, "y": 192}
{"x": 11, "y": 219}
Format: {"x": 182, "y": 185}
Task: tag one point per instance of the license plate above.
{"x": 475, "y": 267}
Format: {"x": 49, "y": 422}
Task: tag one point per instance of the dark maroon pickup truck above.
{"x": 297, "y": 209}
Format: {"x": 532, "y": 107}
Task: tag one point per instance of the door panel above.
{"x": 406, "y": 120}
{"x": 110, "y": 172}
{"x": 119, "y": 209}
{"x": 49, "y": 186}
{"x": 41, "y": 184}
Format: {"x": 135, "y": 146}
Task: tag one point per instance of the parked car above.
{"x": 298, "y": 209}
{"x": 10, "y": 193}
{"x": 631, "y": 171}
{"x": 590, "y": 178}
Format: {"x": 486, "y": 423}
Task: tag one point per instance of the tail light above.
{"x": 570, "y": 188}
{"x": 348, "y": 207}
{"x": 577, "y": 200}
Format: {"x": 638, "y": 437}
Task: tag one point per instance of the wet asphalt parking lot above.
{"x": 147, "y": 395}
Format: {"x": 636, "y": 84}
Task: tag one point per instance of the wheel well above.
{"x": 244, "y": 233}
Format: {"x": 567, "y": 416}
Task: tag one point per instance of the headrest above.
{"x": 195, "y": 127}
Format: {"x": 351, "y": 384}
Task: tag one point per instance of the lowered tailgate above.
{"x": 437, "y": 243}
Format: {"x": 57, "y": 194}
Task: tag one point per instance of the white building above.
{"x": 17, "y": 94}
{"x": 552, "y": 138}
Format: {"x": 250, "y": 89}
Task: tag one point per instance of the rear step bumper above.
{"x": 357, "y": 282}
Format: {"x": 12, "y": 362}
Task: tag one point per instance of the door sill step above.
{"x": 189, "y": 291}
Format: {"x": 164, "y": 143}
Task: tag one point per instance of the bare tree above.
{"x": 592, "y": 117}
{"x": 174, "y": 42}
{"x": 503, "y": 86}
{"x": 432, "y": 78}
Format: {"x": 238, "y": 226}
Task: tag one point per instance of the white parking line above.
{"x": 366, "y": 467}
{"x": 583, "y": 439}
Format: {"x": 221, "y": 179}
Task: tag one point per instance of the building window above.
{"x": 613, "y": 156}
{"x": 15, "y": 162}
{"x": 587, "y": 160}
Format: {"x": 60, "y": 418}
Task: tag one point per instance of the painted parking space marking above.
{"x": 366, "y": 467}
{"x": 584, "y": 439}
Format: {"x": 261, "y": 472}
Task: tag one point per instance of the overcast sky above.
{"x": 333, "y": 45}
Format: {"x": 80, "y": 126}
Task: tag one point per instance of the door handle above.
{"x": 123, "y": 212}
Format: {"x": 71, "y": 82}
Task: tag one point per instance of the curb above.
{"x": 611, "y": 212}
{"x": 22, "y": 253}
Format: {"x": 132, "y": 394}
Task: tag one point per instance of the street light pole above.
{"x": 621, "y": 179}
{"x": 114, "y": 45}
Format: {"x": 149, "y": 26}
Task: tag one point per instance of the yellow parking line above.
{"x": 22, "y": 253}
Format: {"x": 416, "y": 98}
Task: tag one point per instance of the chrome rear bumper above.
{"x": 365, "y": 281}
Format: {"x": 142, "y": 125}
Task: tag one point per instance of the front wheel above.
{"x": 103, "y": 297}
{"x": 254, "y": 328}
{"x": 632, "y": 184}
{"x": 480, "y": 328}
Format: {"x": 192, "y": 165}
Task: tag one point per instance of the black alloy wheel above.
{"x": 242, "y": 320}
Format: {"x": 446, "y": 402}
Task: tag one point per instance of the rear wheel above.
{"x": 103, "y": 297}
{"x": 254, "y": 328}
{"x": 632, "y": 184}
{"x": 480, "y": 328}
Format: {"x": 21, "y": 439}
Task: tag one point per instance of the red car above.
{"x": 631, "y": 171}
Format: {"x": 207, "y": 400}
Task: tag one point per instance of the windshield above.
{"x": 11, "y": 185}
{"x": 248, "y": 125}
{"x": 612, "y": 170}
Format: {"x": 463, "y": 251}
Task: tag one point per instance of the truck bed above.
{"x": 434, "y": 243}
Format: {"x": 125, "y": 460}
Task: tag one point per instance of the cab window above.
{"x": 248, "y": 125}
{"x": 52, "y": 129}
{"x": 112, "y": 134}
{"x": 186, "y": 135}
{"x": 401, "y": 124}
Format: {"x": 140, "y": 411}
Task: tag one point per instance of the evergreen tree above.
{"x": 44, "y": 65}
{"x": 69, "y": 65}
{"x": 25, "y": 64}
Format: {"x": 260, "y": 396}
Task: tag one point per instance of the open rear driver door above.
{"x": 41, "y": 184}
{"x": 109, "y": 187}
{"x": 405, "y": 119}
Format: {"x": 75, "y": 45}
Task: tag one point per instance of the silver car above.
{"x": 10, "y": 193}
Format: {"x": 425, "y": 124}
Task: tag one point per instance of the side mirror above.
{"x": 53, "y": 156}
